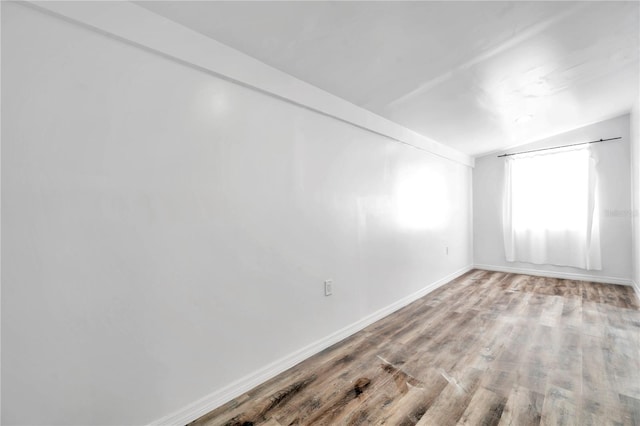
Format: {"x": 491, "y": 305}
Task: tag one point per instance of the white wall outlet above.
{"x": 328, "y": 287}
{"x": 446, "y": 251}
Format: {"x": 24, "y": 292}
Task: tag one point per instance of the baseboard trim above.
{"x": 554, "y": 274}
{"x": 204, "y": 405}
{"x": 636, "y": 289}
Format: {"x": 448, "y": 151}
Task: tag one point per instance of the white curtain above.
{"x": 550, "y": 209}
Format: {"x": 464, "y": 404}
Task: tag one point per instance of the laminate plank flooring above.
{"x": 488, "y": 348}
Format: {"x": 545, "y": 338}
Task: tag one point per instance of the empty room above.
{"x": 320, "y": 213}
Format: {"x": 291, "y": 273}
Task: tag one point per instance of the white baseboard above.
{"x": 636, "y": 289}
{"x": 204, "y": 405}
{"x": 554, "y": 274}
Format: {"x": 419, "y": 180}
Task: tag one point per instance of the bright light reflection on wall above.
{"x": 421, "y": 199}
{"x": 219, "y": 104}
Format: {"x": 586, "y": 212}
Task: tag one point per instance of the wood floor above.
{"x": 488, "y": 348}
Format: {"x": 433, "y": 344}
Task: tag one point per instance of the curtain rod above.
{"x": 557, "y": 147}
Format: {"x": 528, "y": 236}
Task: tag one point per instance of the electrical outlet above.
{"x": 328, "y": 287}
{"x": 446, "y": 251}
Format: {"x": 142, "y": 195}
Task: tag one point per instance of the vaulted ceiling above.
{"x": 477, "y": 76}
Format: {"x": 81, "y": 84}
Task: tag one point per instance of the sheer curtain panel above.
{"x": 550, "y": 209}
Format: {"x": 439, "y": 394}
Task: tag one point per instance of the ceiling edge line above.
{"x": 144, "y": 29}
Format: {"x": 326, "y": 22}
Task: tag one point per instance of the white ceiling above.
{"x": 477, "y": 76}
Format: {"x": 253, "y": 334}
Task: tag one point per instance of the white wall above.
{"x": 635, "y": 196}
{"x": 614, "y": 190}
{"x": 166, "y": 232}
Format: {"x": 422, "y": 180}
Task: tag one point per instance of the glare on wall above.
{"x": 421, "y": 199}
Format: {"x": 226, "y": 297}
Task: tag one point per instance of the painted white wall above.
{"x": 635, "y": 193}
{"x": 167, "y": 232}
{"x": 614, "y": 190}
{"x": 133, "y": 23}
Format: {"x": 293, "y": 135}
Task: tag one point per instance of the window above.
{"x": 550, "y": 209}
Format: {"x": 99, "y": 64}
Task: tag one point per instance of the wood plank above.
{"x": 485, "y": 408}
{"x": 453, "y": 400}
{"x": 487, "y": 348}
{"x": 524, "y": 407}
{"x": 418, "y": 399}
{"x": 603, "y": 412}
{"x": 631, "y": 412}
{"x": 559, "y": 408}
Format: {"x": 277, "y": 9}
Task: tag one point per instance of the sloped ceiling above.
{"x": 477, "y": 76}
